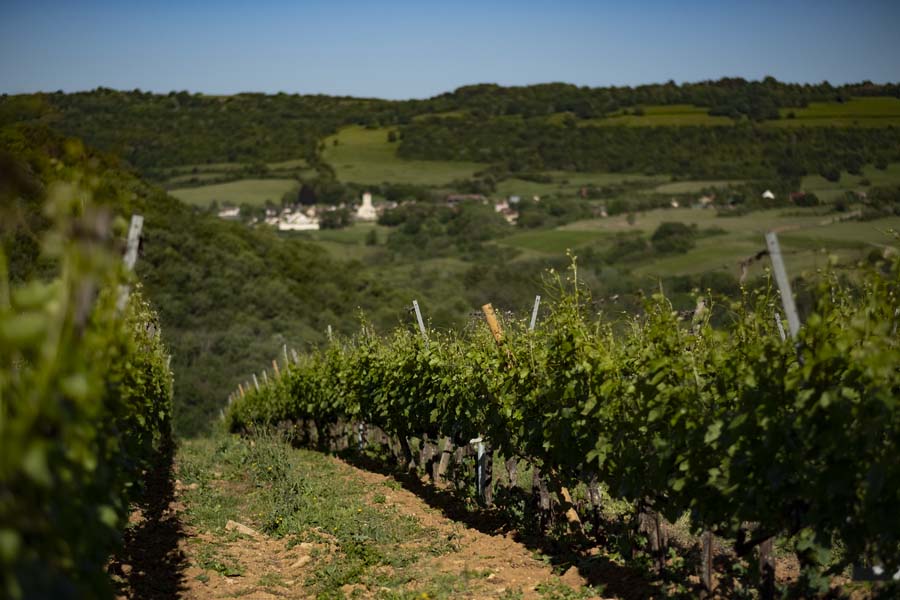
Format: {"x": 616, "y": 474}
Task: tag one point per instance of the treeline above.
{"x": 226, "y": 294}
{"x": 155, "y": 130}
{"x": 152, "y": 131}
{"x": 740, "y": 151}
{"x": 733, "y": 97}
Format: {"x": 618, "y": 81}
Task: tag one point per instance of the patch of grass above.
{"x": 303, "y": 496}
{"x": 551, "y": 241}
{"x": 570, "y": 183}
{"x": 693, "y": 187}
{"x": 808, "y": 236}
{"x": 250, "y": 191}
{"x": 210, "y": 558}
{"x": 272, "y": 580}
{"x": 365, "y": 156}
{"x": 830, "y": 191}
{"x": 672, "y": 115}
{"x": 874, "y": 111}
{"x": 555, "y": 589}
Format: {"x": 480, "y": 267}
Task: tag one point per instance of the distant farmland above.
{"x": 245, "y": 191}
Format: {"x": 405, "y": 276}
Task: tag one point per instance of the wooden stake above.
{"x": 241, "y": 390}
{"x": 767, "y": 569}
{"x": 784, "y": 284}
{"x": 131, "y": 252}
{"x": 256, "y": 382}
{"x": 491, "y": 319}
{"x": 275, "y": 368}
{"x": 534, "y": 312}
{"x": 419, "y": 319}
{"x": 706, "y": 570}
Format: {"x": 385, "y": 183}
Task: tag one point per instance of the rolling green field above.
{"x": 831, "y": 190}
{"x": 348, "y": 243}
{"x": 660, "y": 116}
{"x": 570, "y": 183}
{"x": 692, "y": 187}
{"x": 808, "y": 236}
{"x": 553, "y": 241}
{"x": 365, "y": 156}
{"x": 245, "y": 191}
{"x": 190, "y": 175}
{"x": 874, "y": 111}
{"x": 856, "y": 112}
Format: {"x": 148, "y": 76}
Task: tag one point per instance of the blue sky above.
{"x": 406, "y": 49}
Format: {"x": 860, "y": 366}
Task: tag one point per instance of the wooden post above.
{"x": 265, "y": 378}
{"x": 784, "y": 284}
{"x": 706, "y": 570}
{"x": 275, "y": 368}
{"x": 241, "y": 390}
{"x": 287, "y": 363}
{"x": 426, "y": 452}
{"x": 491, "y": 319}
{"x": 256, "y": 382}
{"x": 534, "y": 312}
{"x": 295, "y": 356}
{"x": 134, "y": 239}
{"x": 767, "y": 569}
{"x": 487, "y": 474}
{"x": 440, "y": 467}
{"x": 419, "y": 319}
{"x": 131, "y": 252}
{"x": 361, "y": 436}
{"x": 330, "y": 334}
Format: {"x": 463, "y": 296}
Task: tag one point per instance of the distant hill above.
{"x": 229, "y": 296}
{"x": 515, "y": 128}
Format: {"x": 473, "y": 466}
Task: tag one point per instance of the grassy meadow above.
{"x": 876, "y": 111}
{"x": 808, "y": 237}
{"x": 569, "y": 183}
{"x": 243, "y": 191}
{"x": 660, "y": 116}
{"x": 365, "y": 156}
{"x": 831, "y": 190}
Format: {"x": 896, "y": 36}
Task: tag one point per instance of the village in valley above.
{"x": 298, "y": 217}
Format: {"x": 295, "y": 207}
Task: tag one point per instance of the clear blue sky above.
{"x": 415, "y": 49}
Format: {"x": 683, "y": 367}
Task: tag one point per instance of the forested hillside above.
{"x": 231, "y": 296}
{"x": 521, "y": 128}
{"x": 227, "y": 295}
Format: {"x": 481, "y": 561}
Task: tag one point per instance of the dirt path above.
{"x": 206, "y": 555}
{"x": 511, "y": 565}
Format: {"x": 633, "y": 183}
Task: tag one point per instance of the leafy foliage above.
{"x": 85, "y": 399}
{"x": 732, "y": 426}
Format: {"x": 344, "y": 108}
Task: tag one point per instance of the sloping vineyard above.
{"x": 85, "y": 401}
{"x": 752, "y": 435}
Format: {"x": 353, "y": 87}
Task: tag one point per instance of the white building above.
{"x": 768, "y": 195}
{"x": 366, "y": 212}
{"x": 230, "y": 212}
{"x": 297, "y": 221}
